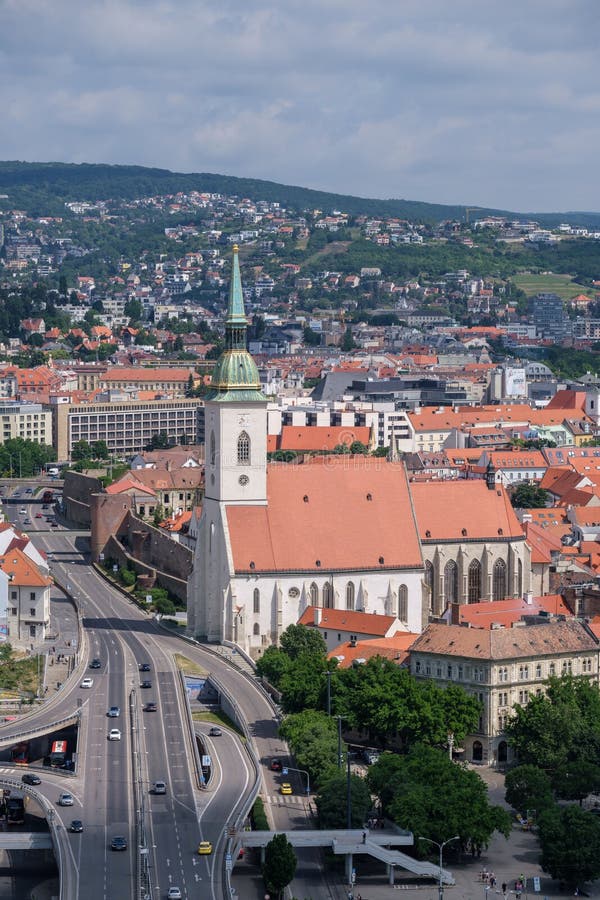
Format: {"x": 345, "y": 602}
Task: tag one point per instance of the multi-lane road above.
{"x": 153, "y": 746}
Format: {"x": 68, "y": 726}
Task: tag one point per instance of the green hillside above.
{"x": 44, "y": 187}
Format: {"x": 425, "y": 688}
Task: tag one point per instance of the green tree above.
{"x": 159, "y": 441}
{"x": 313, "y": 739}
{"x": 297, "y": 639}
{"x": 560, "y": 726}
{"x": 570, "y": 842}
{"x": 529, "y": 496}
{"x": 159, "y": 515}
{"x": 133, "y": 310}
{"x": 528, "y": 787}
{"x": 272, "y": 665}
{"x": 279, "y": 866}
{"x": 331, "y": 801}
{"x": 100, "y": 450}
{"x": 575, "y": 780}
{"x": 358, "y": 448}
{"x": 81, "y": 450}
{"x": 436, "y": 798}
{"x": 302, "y": 685}
{"x": 311, "y": 338}
{"x": 348, "y": 343}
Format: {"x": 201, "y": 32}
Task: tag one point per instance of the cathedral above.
{"x": 337, "y": 531}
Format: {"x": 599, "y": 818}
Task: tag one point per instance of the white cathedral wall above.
{"x": 282, "y": 600}
{"x": 208, "y": 607}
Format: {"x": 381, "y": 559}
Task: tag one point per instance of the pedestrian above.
{"x": 364, "y": 837}
{"x": 492, "y": 880}
{"x": 504, "y": 887}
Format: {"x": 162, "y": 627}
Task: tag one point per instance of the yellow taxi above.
{"x": 286, "y": 788}
{"x": 205, "y": 848}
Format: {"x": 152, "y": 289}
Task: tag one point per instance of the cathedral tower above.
{"x": 236, "y": 414}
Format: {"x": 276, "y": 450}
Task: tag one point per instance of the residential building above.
{"x": 503, "y": 667}
{"x": 28, "y": 614}
{"x": 30, "y": 421}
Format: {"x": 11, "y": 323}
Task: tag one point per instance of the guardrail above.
{"x": 234, "y": 827}
{"x": 42, "y": 727}
{"x": 192, "y": 732}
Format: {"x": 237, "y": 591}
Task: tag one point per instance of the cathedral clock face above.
{"x": 243, "y": 480}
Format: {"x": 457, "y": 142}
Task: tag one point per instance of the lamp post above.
{"x": 339, "y": 722}
{"x": 450, "y": 743}
{"x": 441, "y": 849}
{"x": 328, "y": 673}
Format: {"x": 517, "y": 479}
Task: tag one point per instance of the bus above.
{"x": 19, "y": 754}
{"x": 58, "y": 754}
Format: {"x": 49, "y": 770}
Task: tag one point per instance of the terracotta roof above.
{"x": 548, "y": 639}
{"x": 21, "y": 570}
{"x": 516, "y": 459}
{"x": 318, "y": 437}
{"x": 347, "y": 620}
{"x": 349, "y": 514}
{"x": 567, "y": 400}
{"x": 505, "y": 612}
{"x": 395, "y": 648}
{"x": 463, "y": 510}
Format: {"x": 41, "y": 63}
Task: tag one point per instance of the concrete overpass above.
{"x": 350, "y": 842}
{"x": 26, "y": 840}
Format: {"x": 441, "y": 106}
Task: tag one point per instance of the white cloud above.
{"x": 452, "y": 102}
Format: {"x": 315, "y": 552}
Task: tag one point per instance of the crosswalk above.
{"x": 285, "y": 799}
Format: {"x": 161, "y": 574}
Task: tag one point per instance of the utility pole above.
{"x": 348, "y": 794}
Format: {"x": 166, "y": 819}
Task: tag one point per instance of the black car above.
{"x": 118, "y": 843}
{"x": 144, "y": 667}
{"x": 95, "y": 664}
{"x": 150, "y": 707}
{"x": 76, "y": 826}
{"x": 146, "y": 684}
{"x": 30, "y": 778}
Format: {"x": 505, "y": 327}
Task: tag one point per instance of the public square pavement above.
{"x": 507, "y": 859}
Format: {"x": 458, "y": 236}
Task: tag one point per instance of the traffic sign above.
{"x": 284, "y": 771}
{"x": 206, "y": 761}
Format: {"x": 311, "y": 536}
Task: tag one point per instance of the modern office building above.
{"x": 126, "y": 426}
{"x": 30, "y": 421}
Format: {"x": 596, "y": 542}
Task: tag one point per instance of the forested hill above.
{"x": 43, "y": 188}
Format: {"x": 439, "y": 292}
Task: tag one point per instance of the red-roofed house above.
{"x": 337, "y": 625}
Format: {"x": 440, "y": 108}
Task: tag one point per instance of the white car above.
{"x": 65, "y": 800}
{"x": 87, "y": 683}
{"x": 174, "y": 893}
{"x": 114, "y": 734}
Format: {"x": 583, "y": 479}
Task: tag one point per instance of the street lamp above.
{"x": 441, "y": 849}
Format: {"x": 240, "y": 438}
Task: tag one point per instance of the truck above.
{"x": 15, "y": 807}
{"x": 47, "y": 496}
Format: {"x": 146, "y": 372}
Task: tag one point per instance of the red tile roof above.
{"x": 318, "y": 437}
{"x": 395, "y": 648}
{"x": 349, "y": 514}
{"x": 505, "y": 612}
{"x": 463, "y": 510}
{"x": 347, "y": 620}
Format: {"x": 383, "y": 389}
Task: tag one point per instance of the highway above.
{"x": 122, "y": 636}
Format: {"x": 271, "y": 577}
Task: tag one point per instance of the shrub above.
{"x": 127, "y": 577}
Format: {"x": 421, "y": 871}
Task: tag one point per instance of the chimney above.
{"x": 455, "y": 614}
{"x": 528, "y": 598}
{"x": 353, "y": 642}
{"x": 318, "y": 613}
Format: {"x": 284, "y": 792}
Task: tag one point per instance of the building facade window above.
{"x": 314, "y": 595}
{"x": 499, "y": 580}
{"x": 350, "y": 595}
{"x": 327, "y": 595}
{"x": 256, "y": 600}
{"x": 451, "y": 581}
{"x": 256, "y": 629}
{"x": 520, "y": 578}
{"x": 213, "y": 449}
{"x": 403, "y": 603}
{"x": 474, "y": 581}
{"x": 243, "y": 449}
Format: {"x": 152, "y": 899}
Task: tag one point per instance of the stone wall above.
{"x": 77, "y": 492}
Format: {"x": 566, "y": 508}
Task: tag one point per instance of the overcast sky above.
{"x": 455, "y": 101}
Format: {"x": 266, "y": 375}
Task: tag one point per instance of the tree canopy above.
{"x": 331, "y": 801}
{"x": 280, "y": 864}
{"x": 570, "y": 841}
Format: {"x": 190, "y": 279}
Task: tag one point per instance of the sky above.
{"x": 478, "y": 102}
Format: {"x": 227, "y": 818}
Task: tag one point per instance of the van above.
{"x": 159, "y": 787}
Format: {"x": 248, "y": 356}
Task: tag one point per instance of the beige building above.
{"x": 28, "y": 611}
{"x": 30, "y": 421}
{"x": 502, "y": 667}
{"x": 126, "y": 425}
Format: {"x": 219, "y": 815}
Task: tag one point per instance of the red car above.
{"x": 276, "y": 765}
{"x": 39, "y": 516}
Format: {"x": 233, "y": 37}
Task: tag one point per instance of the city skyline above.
{"x": 462, "y": 104}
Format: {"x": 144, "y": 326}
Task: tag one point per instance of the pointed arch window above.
{"x": 314, "y": 595}
{"x": 213, "y": 448}
{"x": 243, "y": 449}
{"x": 499, "y": 580}
{"x": 350, "y": 595}
{"x": 403, "y": 603}
{"x": 520, "y": 578}
{"x": 451, "y": 581}
{"x": 429, "y": 578}
{"x": 256, "y": 600}
{"x": 256, "y": 629}
{"x": 474, "y": 581}
{"x": 328, "y": 595}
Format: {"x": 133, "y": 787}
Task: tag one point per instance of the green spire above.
{"x": 235, "y": 376}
